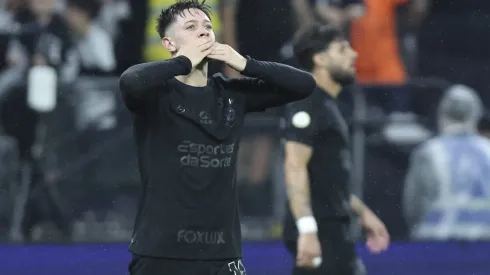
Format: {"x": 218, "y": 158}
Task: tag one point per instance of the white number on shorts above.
{"x": 237, "y": 267}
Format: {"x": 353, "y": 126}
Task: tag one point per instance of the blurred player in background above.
{"x": 317, "y": 164}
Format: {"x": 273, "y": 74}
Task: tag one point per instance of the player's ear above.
{"x": 168, "y": 44}
{"x": 319, "y": 59}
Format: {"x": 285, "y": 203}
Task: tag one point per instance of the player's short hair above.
{"x": 90, "y": 7}
{"x": 313, "y": 39}
{"x": 168, "y": 15}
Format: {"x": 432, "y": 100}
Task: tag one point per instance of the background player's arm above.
{"x": 297, "y": 181}
{"x": 303, "y": 13}
{"x": 271, "y": 84}
{"x": 377, "y": 235}
{"x": 340, "y": 15}
{"x": 140, "y": 83}
{"x": 298, "y": 156}
{"x": 358, "y": 206}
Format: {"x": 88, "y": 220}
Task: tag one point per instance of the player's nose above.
{"x": 203, "y": 32}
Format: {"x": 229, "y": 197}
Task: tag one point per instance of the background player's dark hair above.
{"x": 168, "y": 15}
{"x": 91, "y": 7}
{"x": 313, "y": 39}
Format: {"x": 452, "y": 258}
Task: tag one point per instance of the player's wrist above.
{"x": 307, "y": 225}
{"x": 238, "y": 63}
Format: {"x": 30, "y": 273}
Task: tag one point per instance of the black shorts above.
{"x": 338, "y": 259}
{"x": 142, "y": 265}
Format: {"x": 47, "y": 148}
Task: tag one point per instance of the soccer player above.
{"x": 317, "y": 164}
{"x": 187, "y": 129}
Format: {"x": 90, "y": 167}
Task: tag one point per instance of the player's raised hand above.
{"x": 196, "y": 53}
{"x": 227, "y": 54}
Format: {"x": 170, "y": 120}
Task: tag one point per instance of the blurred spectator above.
{"x": 111, "y": 14}
{"x": 374, "y": 36}
{"x": 43, "y": 39}
{"x": 447, "y": 191}
{"x": 8, "y": 9}
{"x": 93, "y": 44}
{"x": 337, "y": 12}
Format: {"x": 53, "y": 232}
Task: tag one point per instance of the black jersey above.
{"x": 317, "y": 122}
{"x": 187, "y": 140}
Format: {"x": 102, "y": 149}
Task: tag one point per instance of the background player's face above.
{"x": 191, "y": 27}
{"x": 339, "y": 60}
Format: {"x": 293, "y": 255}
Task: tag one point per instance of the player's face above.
{"x": 339, "y": 60}
{"x": 191, "y": 27}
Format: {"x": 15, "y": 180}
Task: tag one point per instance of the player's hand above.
{"x": 378, "y": 238}
{"x": 227, "y": 54}
{"x": 196, "y": 53}
{"x": 309, "y": 250}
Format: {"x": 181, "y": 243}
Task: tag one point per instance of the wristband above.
{"x": 306, "y": 225}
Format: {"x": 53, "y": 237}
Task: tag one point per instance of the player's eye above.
{"x": 209, "y": 27}
{"x": 190, "y": 27}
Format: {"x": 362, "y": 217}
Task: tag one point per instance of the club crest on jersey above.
{"x": 301, "y": 119}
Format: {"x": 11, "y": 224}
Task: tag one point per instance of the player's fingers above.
{"x": 386, "y": 235}
{"x": 217, "y": 50}
{"x": 385, "y": 243}
{"x": 206, "y": 45}
{"x": 383, "y": 233}
{"x": 208, "y": 51}
{"x": 216, "y": 56}
{"x": 303, "y": 262}
{"x": 203, "y": 41}
{"x": 379, "y": 232}
{"x": 302, "y": 256}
